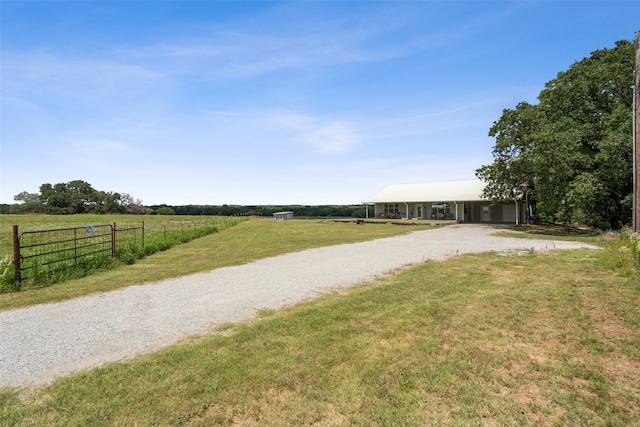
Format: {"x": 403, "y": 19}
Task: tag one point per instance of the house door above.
{"x": 419, "y": 211}
{"x": 509, "y": 213}
{"x": 486, "y": 214}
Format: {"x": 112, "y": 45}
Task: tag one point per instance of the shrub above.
{"x": 7, "y": 281}
{"x": 165, "y": 211}
{"x": 623, "y": 253}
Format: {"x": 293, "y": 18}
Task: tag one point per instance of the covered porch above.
{"x": 472, "y": 211}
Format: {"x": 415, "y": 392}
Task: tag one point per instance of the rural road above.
{"x": 41, "y": 343}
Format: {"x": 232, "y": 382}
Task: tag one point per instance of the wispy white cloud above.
{"x": 333, "y": 137}
{"x": 49, "y": 74}
{"x": 325, "y": 135}
{"x": 249, "y": 49}
{"x": 235, "y": 54}
{"x": 100, "y": 147}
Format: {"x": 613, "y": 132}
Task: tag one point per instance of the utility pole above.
{"x": 636, "y": 139}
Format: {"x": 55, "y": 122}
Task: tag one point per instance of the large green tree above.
{"x": 511, "y": 175}
{"x": 68, "y": 198}
{"x": 573, "y": 150}
{"x": 29, "y": 202}
{"x": 76, "y": 197}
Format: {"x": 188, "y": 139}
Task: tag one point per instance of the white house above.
{"x": 461, "y": 201}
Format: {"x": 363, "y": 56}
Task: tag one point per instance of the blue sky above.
{"x": 305, "y": 102}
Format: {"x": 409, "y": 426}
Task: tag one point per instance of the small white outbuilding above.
{"x": 283, "y": 216}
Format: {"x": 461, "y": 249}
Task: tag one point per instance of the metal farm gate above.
{"x": 41, "y": 250}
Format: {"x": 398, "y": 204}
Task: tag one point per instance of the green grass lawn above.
{"x": 476, "y": 340}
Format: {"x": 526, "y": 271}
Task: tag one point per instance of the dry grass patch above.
{"x": 555, "y": 232}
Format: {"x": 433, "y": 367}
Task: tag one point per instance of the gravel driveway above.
{"x": 41, "y": 343}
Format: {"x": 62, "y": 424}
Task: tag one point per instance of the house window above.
{"x": 391, "y": 209}
{"x": 440, "y": 210}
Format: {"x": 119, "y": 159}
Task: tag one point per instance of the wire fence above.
{"x": 44, "y": 257}
{"x": 128, "y": 237}
{"x": 181, "y": 226}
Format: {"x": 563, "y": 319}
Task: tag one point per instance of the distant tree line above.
{"x": 320, "y": 211}
{"x": 74, "y": 197}
{"x": 78, "y": 197}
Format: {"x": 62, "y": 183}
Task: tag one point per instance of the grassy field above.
{"x": 477, "y": 340}
{"x": 250, "y": 240}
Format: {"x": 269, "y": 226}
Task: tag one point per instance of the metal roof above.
{"x": 468, "y": 190}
